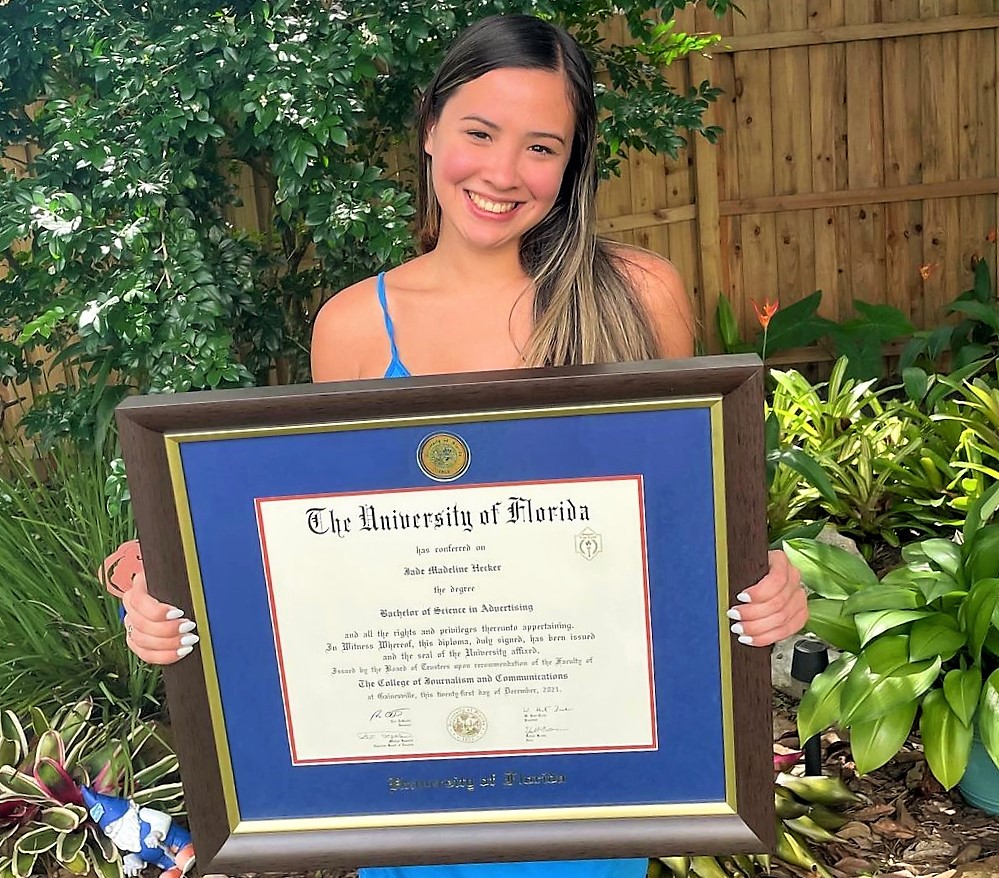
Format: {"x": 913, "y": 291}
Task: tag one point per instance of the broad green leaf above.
{"x": 827, "y": 621}
{"x": 946, "y": 739}
{"x": 988, "y": 716}
{"x": 945, "y": 554}
{"x": 886, "y": 320}
{"x": 980, "y": 511}
{"x": 870, "y": 625}
{"x": 983, "y": 554}
{"x": 38, "y": 841}
{"x": 62, "y": 819}
{"x": 874, "y": 743}
{"x": 807, "y": 467}
{"x": 13, "y": 731}
{"x": 936, "y": 586}
{"x": 70, "y": 846}
{"x": 888, "y": 653}
{"x": 916, "y": 383}
{"x": 828, "y": 570}
{"x": 962, "y": 689}
{"x": 977, "y": 610}
{"x": 819, "y": 707}
{"x": 882, "y": 597}
{"x": 50, "y": 745}
{"x": 867, "y": 696}
{"x": 24, "y": 863}
{"x": 936, "y": 635}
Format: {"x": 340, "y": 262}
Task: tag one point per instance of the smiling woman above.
{"x": 512, "y": 274}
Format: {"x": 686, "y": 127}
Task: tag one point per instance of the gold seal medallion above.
{"x": 467, "y": 724}
{"x": 443, "y": 457}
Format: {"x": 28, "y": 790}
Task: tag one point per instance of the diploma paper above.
{"x": 474, "y": 620}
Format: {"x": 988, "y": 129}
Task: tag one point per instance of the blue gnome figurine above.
{"x": 141, "y": 834}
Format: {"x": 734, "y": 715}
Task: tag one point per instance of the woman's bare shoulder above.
{"x": 348, "y": 334}
{"x": 661, "y": 290}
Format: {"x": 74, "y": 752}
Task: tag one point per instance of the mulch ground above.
{"x": 908, "y": 825}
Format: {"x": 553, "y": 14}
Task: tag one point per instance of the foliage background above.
{"x": 118, "y": 253}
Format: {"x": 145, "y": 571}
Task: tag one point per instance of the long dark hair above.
{"x": 584, "y": 309}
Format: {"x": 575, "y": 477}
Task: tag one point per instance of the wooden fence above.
{"x": 859, "y": 158}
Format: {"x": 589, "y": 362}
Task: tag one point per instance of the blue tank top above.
{"x": 395, "y": 369}
{"x": 633, "y": 868}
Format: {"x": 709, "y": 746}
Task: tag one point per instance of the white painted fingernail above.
{"x": 174, "y": 613}
{"x": 744, "y": 597}
{"x": 184, "y": 650}
{"x": 736, "y": 629}
{"x": 734, "y": 614}
{"x": 189, "y": 639}
{"x": 745, "y": 638}
{"x": 186, "y": 626}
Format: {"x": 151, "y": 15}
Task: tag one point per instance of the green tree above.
{"x": 117, "y": 250}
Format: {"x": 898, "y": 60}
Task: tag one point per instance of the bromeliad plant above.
{"x": 44, "y": 826}
{"x": 923, "y": 640}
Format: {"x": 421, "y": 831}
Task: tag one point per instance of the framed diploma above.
{"x": 463, "y": 618}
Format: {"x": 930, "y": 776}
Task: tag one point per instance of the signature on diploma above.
{"x": 543, "y": 721}
{"x": 386, "y": 738}
{"x": 398, "y": 717}
{"x": 535, "y": 732}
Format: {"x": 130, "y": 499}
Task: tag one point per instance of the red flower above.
{"x": 769, "y": 309}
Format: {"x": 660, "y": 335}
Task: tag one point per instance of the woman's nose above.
{"x": 502, "y": 170}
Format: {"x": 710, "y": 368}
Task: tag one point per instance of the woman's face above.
{"x": 498, "y": 151}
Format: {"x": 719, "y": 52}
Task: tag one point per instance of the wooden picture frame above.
{"x": 690, "y": 432}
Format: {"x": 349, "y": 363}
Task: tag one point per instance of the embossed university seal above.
{"x": 443, "y": 457}
{"x": 467, "y": 724}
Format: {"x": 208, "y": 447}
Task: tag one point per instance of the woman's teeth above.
{"x": 491, "y": 206}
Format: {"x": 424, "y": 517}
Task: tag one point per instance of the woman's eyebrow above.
{"x": 495, "y": 127}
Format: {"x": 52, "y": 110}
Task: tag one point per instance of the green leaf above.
{"x": 807, "y": 467}
{"x": 819, "y": 707}
{"x": 867, "y": 696}
{"x": 874, "y": 743}
{"x": 885, "y": 320}
{"x": 827, "y": 621}
{"x": 988, "y": 716}
{"x": 871, "y": 624}
{"x": 38, "y": 841}
{"x": 63, "y": 819}
{"x": 946, "y": 739}
{"x": 977, "y": 609}
{"x": 882, "y": 597}
{"x": 829, "y": 570}
{"x": 945, "y": 554}
{"x": 70, "y": 846}
{"x": 979, "y": 311}
{"x": 983, "y": 554}
{"x": 962, "y": 689}
{"x": 797, "y": 325}
{"x": 979, "y": 512}
{"x": 888, "y": 653}
{"x": 728, "y": 325}
{"x": 936, "y": 635}
{"x": 916, "y": 383}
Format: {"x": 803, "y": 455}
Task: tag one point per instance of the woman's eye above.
{"x": 542, "y": 149}
{"x": 479, "y": 135}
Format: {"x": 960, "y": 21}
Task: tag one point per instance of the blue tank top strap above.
{"x": 396, "y": 368}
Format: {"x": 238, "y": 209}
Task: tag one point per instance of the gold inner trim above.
{"x": 173, "y": 442}
{"x": 453, "y": 818}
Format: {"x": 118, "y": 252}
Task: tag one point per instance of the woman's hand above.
{"x": 772, "y": 609}
{"x": 156, "y": 632}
